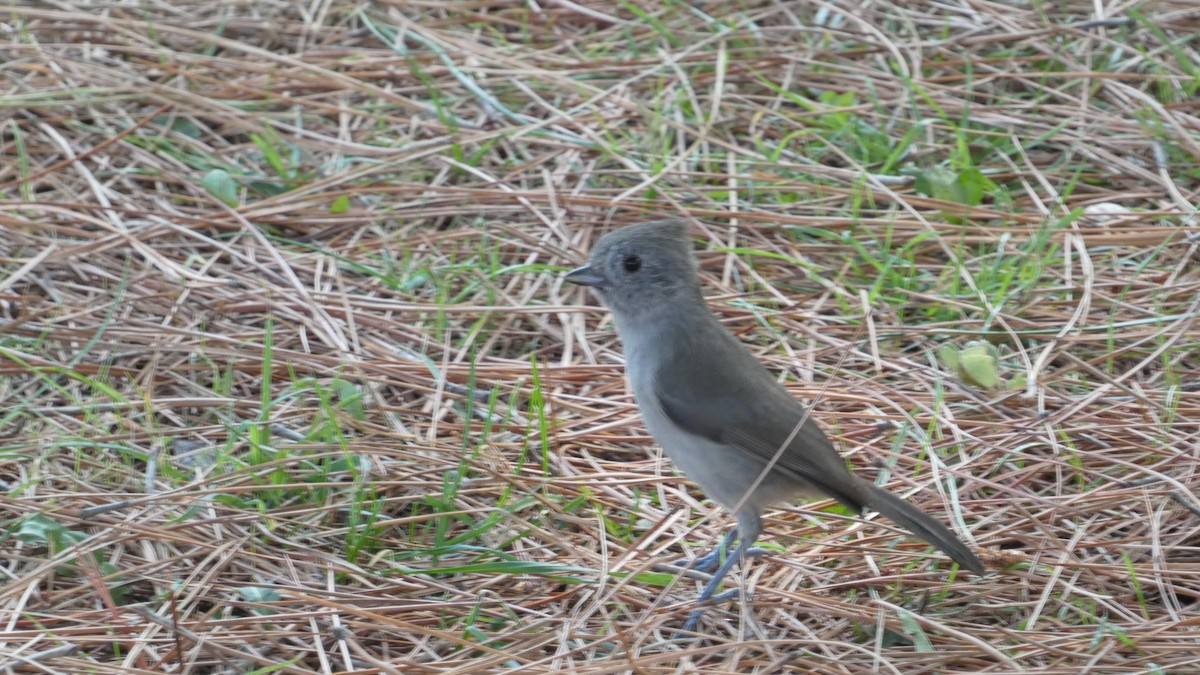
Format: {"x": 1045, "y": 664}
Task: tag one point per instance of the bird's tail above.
{"x": 923, "y": 525}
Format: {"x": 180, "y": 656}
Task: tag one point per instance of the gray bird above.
{"x": 716, "y": 411}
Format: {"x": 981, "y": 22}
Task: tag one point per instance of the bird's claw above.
{"x": 711, "y": 560}
{"x": 694, "y": 618}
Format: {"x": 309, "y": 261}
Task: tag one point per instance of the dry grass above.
{"x": 291, "y": 382}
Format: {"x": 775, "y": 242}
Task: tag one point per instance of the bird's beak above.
{"x": 585, "y": 276}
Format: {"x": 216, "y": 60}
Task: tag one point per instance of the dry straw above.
{"x": 291, "y": 382}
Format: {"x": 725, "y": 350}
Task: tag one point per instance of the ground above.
{"x": 292, "y": 382}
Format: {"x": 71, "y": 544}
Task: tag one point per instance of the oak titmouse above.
{"x": 716, "y": 411}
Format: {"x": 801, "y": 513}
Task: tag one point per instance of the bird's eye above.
{"x": 632, "y": 263}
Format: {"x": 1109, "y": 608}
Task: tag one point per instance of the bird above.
{"x": 717, "y": 412}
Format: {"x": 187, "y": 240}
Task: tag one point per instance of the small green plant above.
{"x": 41, "y": 530}
{"x": 966, "y": 187}
{"x": 978, "y": 363}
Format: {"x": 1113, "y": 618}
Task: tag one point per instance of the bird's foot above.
{"x": 711, "y": 560}
{"x": 694, "y": 618}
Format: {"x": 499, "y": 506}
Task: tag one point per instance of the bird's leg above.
{"x": 751, "y": 526}
{"x": 711, "y": 560}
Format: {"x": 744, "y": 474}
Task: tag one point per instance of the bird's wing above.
{"x": 756, "y": 415}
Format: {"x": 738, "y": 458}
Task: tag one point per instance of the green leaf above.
{"x": 980, "y": 365}
{"x": 966, "y": 187}
{"x": 936, "y": 182}
{"x": 260, "y": 594}
{"x": 221, "y": 185}
{"x": 921, "y": 641}
{"x": 350, "y": 398}
{"x": 39, "y": 529}
{"x": 340, "y": 205}
{"x": 948, "y": 355}
{"x": 971, "y": 186}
